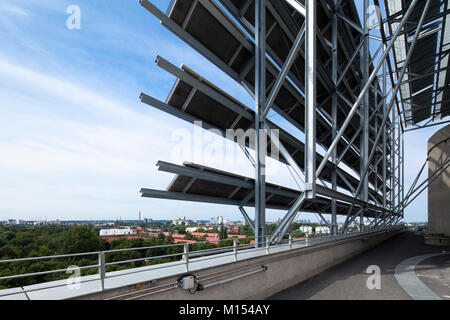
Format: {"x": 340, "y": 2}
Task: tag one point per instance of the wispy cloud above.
{"x": 9, "y": 8}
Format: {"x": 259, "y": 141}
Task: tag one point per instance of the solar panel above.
{"x": 223, "y": 31}
{"x": 199, "y": 183}
{"x": 426, "y": 87}
{"x": 206, "y": 102}
{"x": 204, "y": 16}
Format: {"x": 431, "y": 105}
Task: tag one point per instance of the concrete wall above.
{"x": 284, "y": 270}
{"x": 439, "y": 189}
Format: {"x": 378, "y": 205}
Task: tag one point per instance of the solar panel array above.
{"x": 223, "y": 32}
{"x": 426, "y": 89}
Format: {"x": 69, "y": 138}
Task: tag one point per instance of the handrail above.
{"x": 186, "y": 254}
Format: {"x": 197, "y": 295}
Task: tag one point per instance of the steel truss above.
{"x": 376, "y": 142}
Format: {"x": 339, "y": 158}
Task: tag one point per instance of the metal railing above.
{"x": 185, "y": 256}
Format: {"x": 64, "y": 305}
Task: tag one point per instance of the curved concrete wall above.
{"x": 439, "y": 189}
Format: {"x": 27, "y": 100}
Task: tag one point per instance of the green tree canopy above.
{"x": 80, "y": 239}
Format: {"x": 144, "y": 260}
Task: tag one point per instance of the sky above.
{"x": 75, "y": 140}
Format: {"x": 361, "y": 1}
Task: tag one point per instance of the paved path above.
{"x": 348, "y": 280}
{"x": 406, "y": 276}
{"x": 438, "y": 280}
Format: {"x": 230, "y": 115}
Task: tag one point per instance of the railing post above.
{"x": 290, "y": 241}
{"x": 186, "y": 256}
{"x": 101, "y": 268}
{"x": 307, "y": 239}
{"x": 267, "y": 244}
{"x": 235, "y": 249}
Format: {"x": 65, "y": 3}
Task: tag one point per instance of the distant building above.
{"x": 211, "y": 237}
{"x": 190, "y": 223}
{"x": 306, "y": 229}
{"x": 117, "y": 232}
{"x": 179, "y": 221}
{"x": 220, "y": 220}
{"x": 323, "y": 230}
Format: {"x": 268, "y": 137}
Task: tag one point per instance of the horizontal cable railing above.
{"x": 184, "y": 257}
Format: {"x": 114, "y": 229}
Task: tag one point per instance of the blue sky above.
{"x": 75, "y": 141}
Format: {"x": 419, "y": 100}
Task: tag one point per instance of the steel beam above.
{"x": 247, "y": 218}
{"x": 260, "y": 102}
{"x": 394, "y": 93}
{"x": 365, "y": 89}
{"x": 288, "y": 218}
{"x": 385, "y": 114}
{"x": 284, "y": 71}
{"x": 310, "y": 99}
{"x": 334, "y": 103}
{"x": 364, "y": 119}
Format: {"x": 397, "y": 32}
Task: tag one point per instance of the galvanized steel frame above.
{"x": 388, "y": 146}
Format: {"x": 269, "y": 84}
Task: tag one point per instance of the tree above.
{"x": 223, "y": 232}
{"x": 271, "y": 228}
{"x": 79, "y": 239}
{"x": 169, "y": 238}
{"x": 10, "y": 251}
{"x": 161, "y": 236}
{"x": 189, "y": 236}
{"x": 8, "y": 235}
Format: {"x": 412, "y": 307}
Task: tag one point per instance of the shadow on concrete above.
{"x": 348, "y": 280}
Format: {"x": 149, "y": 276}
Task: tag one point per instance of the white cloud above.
{"x": 14, "y": 9}
{"x": 67, "y": 92}
{"x": 61, "y": 142}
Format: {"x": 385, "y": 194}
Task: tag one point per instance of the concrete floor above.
{"x": 348, "y": 280}
{"x": 435, "y": 274}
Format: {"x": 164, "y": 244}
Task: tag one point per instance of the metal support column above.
{"x": 366, "y": 88}
{"x": 384, "y": 134}
{"x": 260, "y": 101}
{"x": 399, "y": 164}
{"x": 392, "y": 160}
{"x": 364, "y": 142}
{"x": 403, "y": 174}
{"x": 391, "y": 104}
{"x": 310, "y": 100}
{"x": 334, "y": 102}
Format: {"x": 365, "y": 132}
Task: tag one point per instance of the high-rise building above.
{"x": 179, "y": 221}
